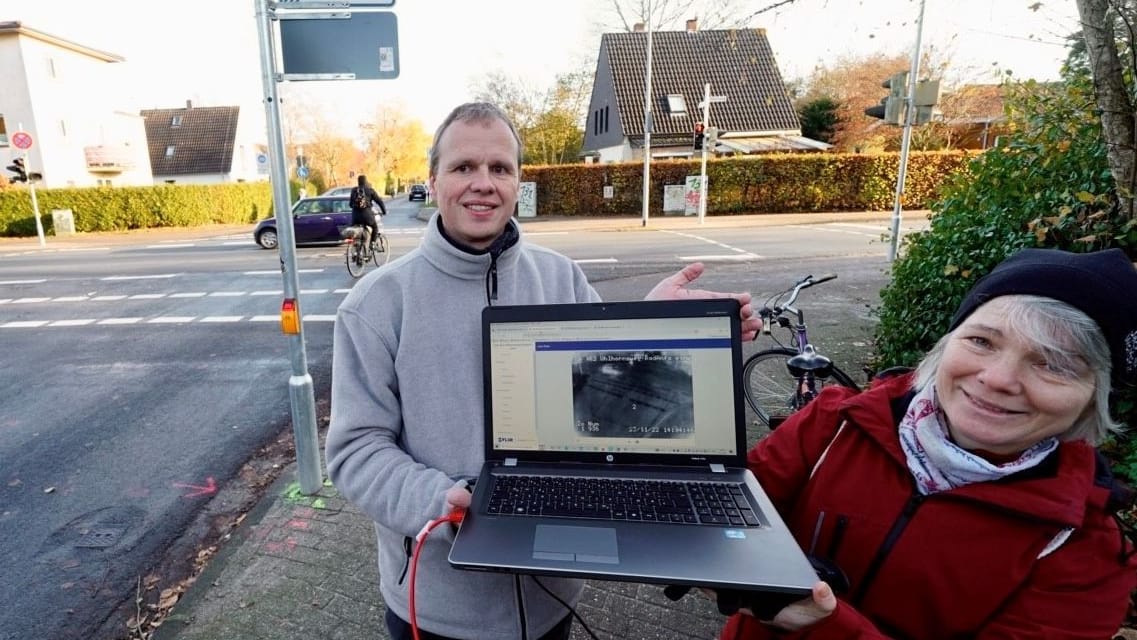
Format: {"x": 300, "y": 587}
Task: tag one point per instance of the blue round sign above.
{"x": 302, "y": 172}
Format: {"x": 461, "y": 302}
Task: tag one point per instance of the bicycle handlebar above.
{"x": 770, "y": 313}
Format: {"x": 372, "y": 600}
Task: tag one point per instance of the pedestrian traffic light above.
{"x": 699, "y": 135}
{"x": 17, "y": 168}
{"x": 712, "y": 137}
{"x": 891, "y": 107}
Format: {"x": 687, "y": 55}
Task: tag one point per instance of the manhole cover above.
{"x": 100, "y": 537}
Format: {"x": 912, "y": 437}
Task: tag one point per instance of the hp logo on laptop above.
{"x": 609, "y": 457}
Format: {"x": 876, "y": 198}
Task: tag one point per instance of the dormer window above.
{"x": 676, "y": 105}
{"x": 170, "y": 151}
{"x": 176, "y": 121}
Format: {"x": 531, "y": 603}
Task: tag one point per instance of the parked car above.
{"x": 418, "y": 192}
{"x": 318, "y": 219}
{"x": 338, "y": 191}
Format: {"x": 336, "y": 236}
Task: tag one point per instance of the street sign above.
{"x": 302, "y": 172}
{"x": 22, "y": 140}
{"x": 366, "y": 46}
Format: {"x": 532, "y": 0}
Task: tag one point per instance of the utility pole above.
{"x": 647, "y": 121}
{"x": 906, "y": 138}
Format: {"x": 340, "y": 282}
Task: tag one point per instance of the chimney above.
{"x": 692, "y": 25}
{"x": 189, "y": 104}
{"x": 638, "y": 27}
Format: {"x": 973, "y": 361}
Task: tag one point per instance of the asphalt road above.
{"x": 142, "y": 374}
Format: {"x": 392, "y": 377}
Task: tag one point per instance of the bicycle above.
{"x": 779, "y": 381}
{"x": 357, "y": 255}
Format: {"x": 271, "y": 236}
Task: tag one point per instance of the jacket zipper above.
{"x": 914, "y": 502}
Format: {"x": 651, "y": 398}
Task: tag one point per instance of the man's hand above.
{"x": 673, "y": 288}
{"x": 458, "y": 496}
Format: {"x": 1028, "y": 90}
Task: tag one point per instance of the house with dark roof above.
{"x": 204, "y": 145}
{"x": 96, "y": 139}
{"x": 749, "y": 104}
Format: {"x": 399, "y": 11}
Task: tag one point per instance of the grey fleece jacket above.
{"x": 407, "y": 422}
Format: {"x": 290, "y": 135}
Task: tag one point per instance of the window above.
{"x": 3, "y": 132}
{"x": 176, "y": 121}
{"x": 170, "y": 151}
{"x": 676, "y": 105}
{"x": 605, "y": 119}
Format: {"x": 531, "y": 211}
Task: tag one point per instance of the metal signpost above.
{"x": 906, "y": 138}
{"x": 375, "y": 57}
{"x": 703, "y": 190}
{"x": 22, "y": 140}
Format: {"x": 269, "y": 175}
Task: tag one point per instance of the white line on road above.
{"x": 316, "y": 317}
{"x": 227, "y": 294}
{"x": 188, "y": 294}
{"x": 264, "y": 319}
{"x": 109, "y": 298}
{"x": 71, "y": 299}
{"x": 342, "y": 291}
{"x": 312, "y": 291}
{"x": 277, "y": 292}
{"x": 546, "y": 233}
{"x": 242, "y": 243}
{"x": 71, "y": 323}
{"x": 595, "y": 260}
{"x": 147, "y": 296}
{"x": 276, "y": 272}
{"x": 171, "y": 246}
{"x": 150, "y": 277}
{"x": 720, "y": 258}
{"x": 119, "y": 320}
{"x": 22, "y": 324}
{"x": 222, "y": 318}
{"x": 27, "y": 300}
{"x": 40, "y": 281}
{"x": 171, "y": 319}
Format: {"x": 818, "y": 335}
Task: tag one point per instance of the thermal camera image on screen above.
{"x": 633, "y": 394}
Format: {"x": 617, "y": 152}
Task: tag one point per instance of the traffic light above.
{"x": 700, "y": 134}
{"x": 17, "y": 168}
{"x": 891, "y": 107}
{"x": 712, "y": 137}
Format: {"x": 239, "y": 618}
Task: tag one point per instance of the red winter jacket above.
{"x": 962, "y": 563}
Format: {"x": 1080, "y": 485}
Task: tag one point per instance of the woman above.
{"x": 966, "y": 499}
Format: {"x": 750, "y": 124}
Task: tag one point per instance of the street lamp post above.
{"x": 647, "y": 121}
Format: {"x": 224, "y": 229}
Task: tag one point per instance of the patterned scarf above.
{"x": 938, "y": 464}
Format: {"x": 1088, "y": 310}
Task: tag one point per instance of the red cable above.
{"x": 455, "y": 516}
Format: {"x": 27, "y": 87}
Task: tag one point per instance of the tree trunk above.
{"x": 1117, "y": 116}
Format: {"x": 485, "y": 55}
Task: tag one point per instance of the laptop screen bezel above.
{"x": 713, "y": 307}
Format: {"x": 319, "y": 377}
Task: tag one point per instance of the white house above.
{"x": 63, "y": 94}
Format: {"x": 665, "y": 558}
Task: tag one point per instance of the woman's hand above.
{"x": 674, "y": 288}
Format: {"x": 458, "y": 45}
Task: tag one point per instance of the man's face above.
{"x": 477, "y": 180}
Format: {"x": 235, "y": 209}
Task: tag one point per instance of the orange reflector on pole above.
{"x": 290, "y": 316}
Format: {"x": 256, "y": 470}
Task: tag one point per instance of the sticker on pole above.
{"x": 22, "y": 140}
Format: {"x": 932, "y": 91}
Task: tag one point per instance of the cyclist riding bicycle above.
{"x": 363, "y": 200}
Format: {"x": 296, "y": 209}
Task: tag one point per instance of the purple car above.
{"x": 314, "y": 220}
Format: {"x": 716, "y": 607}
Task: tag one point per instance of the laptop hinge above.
{"x": 717, "y": 468}
{"x": 510, "y": 462}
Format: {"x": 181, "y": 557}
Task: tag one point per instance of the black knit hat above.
{"x": 1102, "y": 284}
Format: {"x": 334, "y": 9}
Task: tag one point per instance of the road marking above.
{"x": 342, "y": 291}
{"x": 720, "y": 258}
{"x": 277, "y": 292}
{"x": 276, "y": 272}
{"x": 316, "y": 317}
{"x": 546, "y": 233}
{"x": 27, "y": 300}
{"x": 170, "y": 246}
{"x": 231, "y": 244}
{"x": 595, "y": 260}
{"x": 188, "y": 294}
{"x": 222, "y": 318}
{"x": 40, "y": 281}
{"x": 150, "y": 277}
{"x": 227, "y": 294}
{"x": 147, "y": 296}
{"x": 312, "y": 291}
{"x": 71, "y": 299}
{"x": 71, "y": 323}
{"x": 108, "y": 298}
{"x": 20, "y": 324}
{"x": 264, "y": 319}
{"x": 5, "y": 300}
{"x": 119, "y": 320}
{"x": 80, "y": 322}
{"x": 172, "y": 319}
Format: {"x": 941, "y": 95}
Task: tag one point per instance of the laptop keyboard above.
{"x": 696, "y": 503}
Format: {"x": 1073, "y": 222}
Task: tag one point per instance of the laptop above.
{"x": 615, "y": 450}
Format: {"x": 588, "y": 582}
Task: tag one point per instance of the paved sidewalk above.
{"x": 304, "y": 567}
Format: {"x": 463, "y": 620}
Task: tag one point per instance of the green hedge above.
{"x": 751, "y": 184}
{"x": 123, "y": 208}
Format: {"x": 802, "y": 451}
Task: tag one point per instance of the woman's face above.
{"x": 999, "y": 393}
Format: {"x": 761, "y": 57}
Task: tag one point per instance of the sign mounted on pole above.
{"x": 366, "y": 46}
{"x": 22, "y": 140}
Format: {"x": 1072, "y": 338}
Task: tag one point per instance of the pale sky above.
{"x": 206, "y": 50}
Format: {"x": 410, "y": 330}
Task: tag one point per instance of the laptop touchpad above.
{"x": 575, "y": 544}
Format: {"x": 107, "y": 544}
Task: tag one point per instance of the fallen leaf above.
{"x": 49, "y": 490}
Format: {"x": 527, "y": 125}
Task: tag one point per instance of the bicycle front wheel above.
{"x": 355, "y": 261}
{"x": 382, "y": 253}
{"x": 768, "y": 385}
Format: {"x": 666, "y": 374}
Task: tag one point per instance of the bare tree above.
{"x": 1109, "y": 28}
{"x": 624, "y": 15}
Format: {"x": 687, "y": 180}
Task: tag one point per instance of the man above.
{"x": 406, "y": 427}
{"x": 363, "y": 200}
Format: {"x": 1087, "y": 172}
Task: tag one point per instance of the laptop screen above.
{"x": 614, "y": 383}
